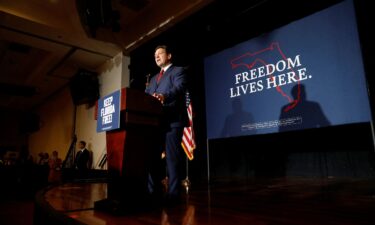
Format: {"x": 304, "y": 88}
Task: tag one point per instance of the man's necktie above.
{"x": 160, "y": 75}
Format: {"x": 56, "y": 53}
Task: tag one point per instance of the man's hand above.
{"x": 160, "y": 97}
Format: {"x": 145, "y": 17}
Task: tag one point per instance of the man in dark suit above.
{"x": 82, "y": 157}
{"x": 169, "y": 87}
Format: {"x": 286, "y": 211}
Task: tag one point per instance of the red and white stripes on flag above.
{"x": 188, "y": 139}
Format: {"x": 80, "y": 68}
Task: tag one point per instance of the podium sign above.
{"x": 108, "y": 112}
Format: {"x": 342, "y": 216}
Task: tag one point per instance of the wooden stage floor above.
{"x": 289, "y": 201}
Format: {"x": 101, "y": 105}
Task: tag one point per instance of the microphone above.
{"x": 131, "y": 81}
{"x": 148, "y": 80}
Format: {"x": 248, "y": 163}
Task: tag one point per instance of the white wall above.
{"x": 113, "y": 75}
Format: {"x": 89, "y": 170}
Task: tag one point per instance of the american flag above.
{"x": 188, "y": 139}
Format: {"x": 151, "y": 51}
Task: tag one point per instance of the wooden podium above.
{"x": 129, "y": 151}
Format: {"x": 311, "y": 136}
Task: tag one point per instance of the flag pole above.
{"x": 187, "y": 146}
{"x": 186, "y": 183}
{"x": 208, "y": 161}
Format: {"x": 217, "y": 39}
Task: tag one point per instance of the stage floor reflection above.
{"x": 260, "y": 201}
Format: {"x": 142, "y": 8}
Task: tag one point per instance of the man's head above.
{"x": 298, "y": 90}
{"x": 82, "y": 144}
{"x": 162, "y": 56}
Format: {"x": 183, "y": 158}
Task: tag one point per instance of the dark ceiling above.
{"x": 43, "y": 43}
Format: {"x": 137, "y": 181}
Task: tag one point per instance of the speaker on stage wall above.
{"x": 84, "y": 87}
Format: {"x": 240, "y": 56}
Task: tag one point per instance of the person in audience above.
{"x": 43, "y": 158}
{"x": 82, "y": 157}
{"x": 55, "y": 164}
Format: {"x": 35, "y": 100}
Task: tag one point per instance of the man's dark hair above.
{"x": 83, "y": 143}
{"x": 166, "y": 48}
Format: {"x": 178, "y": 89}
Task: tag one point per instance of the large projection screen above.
{"x": 307, "y": 74}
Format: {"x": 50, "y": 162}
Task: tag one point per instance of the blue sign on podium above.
{"x": 109, "y": 112}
